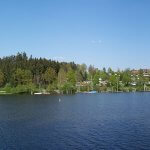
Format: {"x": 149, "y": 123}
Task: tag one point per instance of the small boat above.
{"x": 37, "y": 93}
{"x": 92, "y": 92}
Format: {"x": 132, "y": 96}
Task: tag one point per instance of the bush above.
{"x": 51, "y": 88}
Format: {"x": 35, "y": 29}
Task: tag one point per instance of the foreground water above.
{"x": 82, "y": 121}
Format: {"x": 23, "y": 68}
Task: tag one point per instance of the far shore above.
{"x": 85, "y": 92}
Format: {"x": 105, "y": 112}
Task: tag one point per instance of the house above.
{"x": 133, "y": 83}
{"x": 135, "y": 72}
{"x": 146, "y": 74}
{"x": 102, "y": 83}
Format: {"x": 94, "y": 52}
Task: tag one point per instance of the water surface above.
{"x": 82, "y": 121}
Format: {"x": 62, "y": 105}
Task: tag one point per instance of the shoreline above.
{"x": 50, "y": 94}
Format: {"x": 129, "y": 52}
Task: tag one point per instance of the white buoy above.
{"x": 59, "y": 100}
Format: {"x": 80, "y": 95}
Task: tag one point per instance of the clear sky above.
{"x": 104, "y": 33}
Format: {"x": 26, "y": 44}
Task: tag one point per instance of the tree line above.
{"x": 22, "y": 74}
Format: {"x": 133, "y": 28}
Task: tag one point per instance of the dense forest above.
{"x": 22, "y": 74}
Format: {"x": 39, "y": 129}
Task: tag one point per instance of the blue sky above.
{"x": 104, "y": 33}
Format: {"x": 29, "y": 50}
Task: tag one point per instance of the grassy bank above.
{"x": 31, "y": 89}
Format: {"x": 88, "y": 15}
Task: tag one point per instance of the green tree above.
{"x": 51, "y": 88}
{"x": 79, "y": 77}
{"x": 71, "y": 78}
{"x": 49, "y": 75}
{"x": 68, "y": 88}
{"x": 1, "y": 78}
{"x": 110, "y": 71}
{"x": 104, "y": 69}
{"x": 113, "y": 80}
{"x": 126, "y": 79}
{"x": 103, "y": 75}
{"x": 91, "y": 71}
{"x": 83, "y": 70}
{"x": 22, "y": 77}
{"x": 96, "y": 78}
{"x": 62, "y": 77}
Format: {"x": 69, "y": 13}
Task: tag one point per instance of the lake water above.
{"x": 82, "y": 122}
